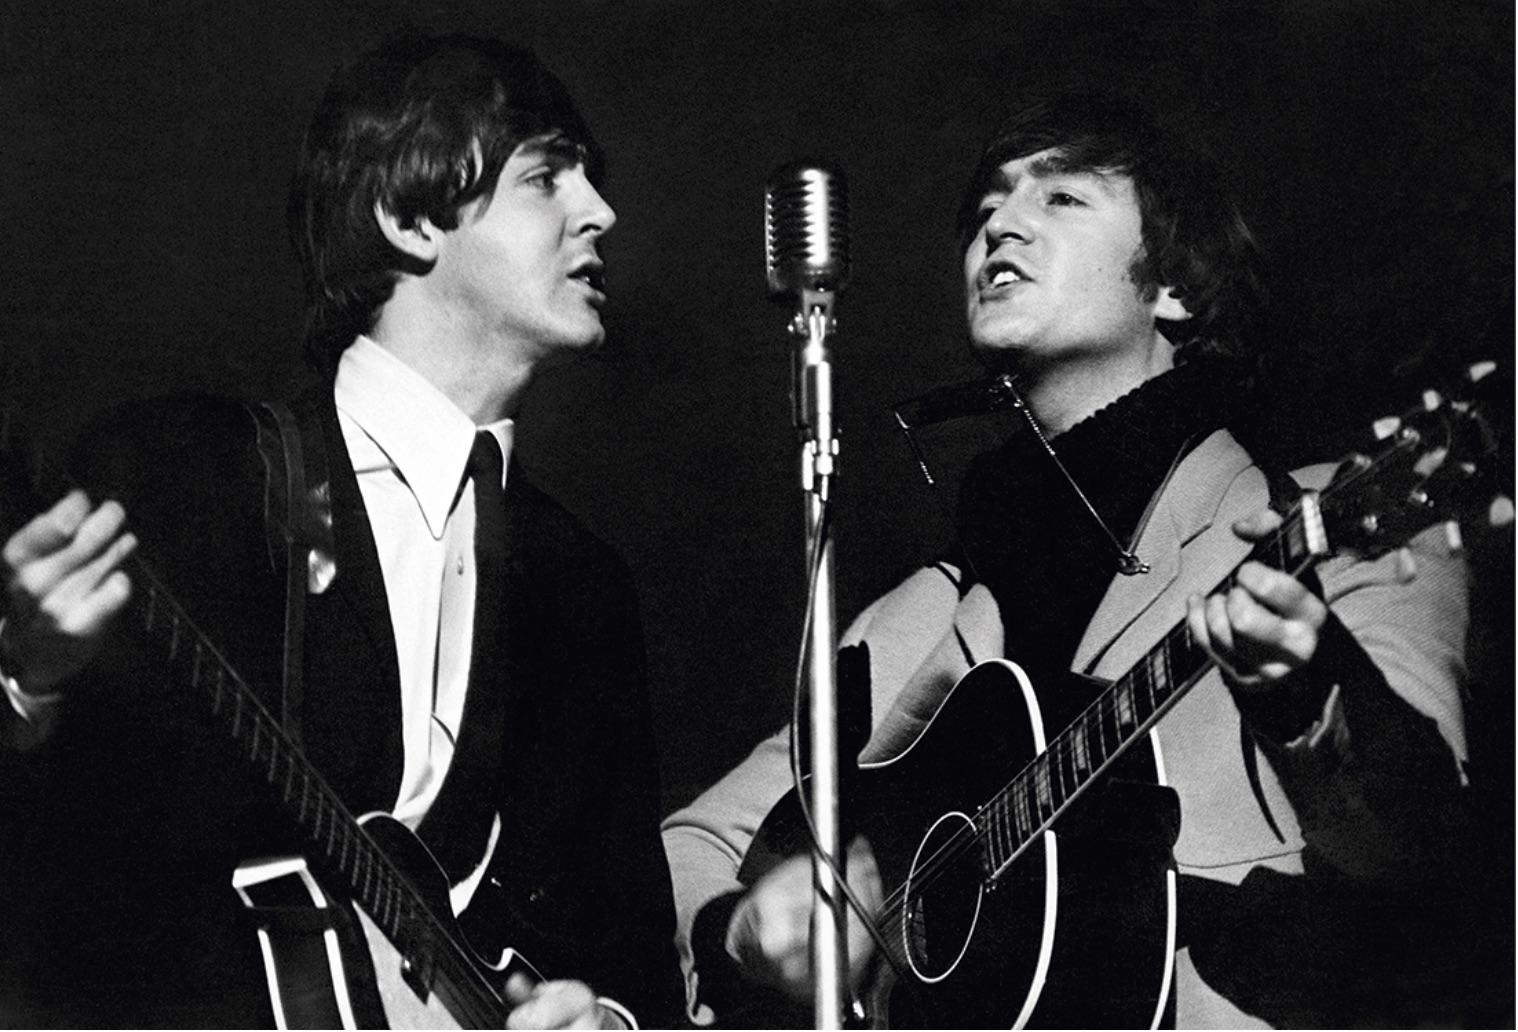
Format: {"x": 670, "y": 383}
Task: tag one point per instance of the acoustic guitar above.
{"x": 1006, "y": 835}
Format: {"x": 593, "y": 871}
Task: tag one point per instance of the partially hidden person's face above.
{"x": 1048, "y": 271}
{"x": 523, "y": 264}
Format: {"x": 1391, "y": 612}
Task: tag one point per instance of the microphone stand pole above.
{"x": 813, "y": 412}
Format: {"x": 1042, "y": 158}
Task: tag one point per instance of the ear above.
{"x": 420, "y": 239}
{"x": 1168, "y": 306}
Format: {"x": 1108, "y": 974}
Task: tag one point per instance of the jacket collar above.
{"x": 1187, "y": 507}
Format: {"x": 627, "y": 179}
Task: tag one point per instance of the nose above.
{"x": 1008, "y": 220}
{"x": 594, "y": 215}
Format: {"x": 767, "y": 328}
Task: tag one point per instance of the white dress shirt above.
{"x": 409, "y": 445}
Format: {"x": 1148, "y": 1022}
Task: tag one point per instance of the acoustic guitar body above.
{"x": 1077, "y": 932}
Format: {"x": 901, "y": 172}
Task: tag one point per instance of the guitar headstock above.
{"x": 1435, "y": 463}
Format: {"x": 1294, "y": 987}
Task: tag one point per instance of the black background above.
{"x": 148, "y": 145}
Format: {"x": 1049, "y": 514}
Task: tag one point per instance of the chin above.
{"x": 1001, "y": 331}
{"x": 592, "y": 340}
{"x": 571, "y": 346}
{"x": 999, "y": 349}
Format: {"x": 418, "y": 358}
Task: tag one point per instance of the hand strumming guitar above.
{"x": 769, "y": 934}
{"x": 561, "y": 1003}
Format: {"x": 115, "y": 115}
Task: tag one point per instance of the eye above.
{"x": 983, "y": 213}
{"x": 1062, "y": 199}
{"x": 544, "y": 179}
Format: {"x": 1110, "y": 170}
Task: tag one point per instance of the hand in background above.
{"x": 63, "y": 584}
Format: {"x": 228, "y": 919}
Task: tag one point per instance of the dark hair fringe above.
{"x": 420, "y": 126}
{"x": 1195, "y": 239}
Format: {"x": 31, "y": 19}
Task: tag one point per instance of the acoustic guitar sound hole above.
{"x": 943, "y": 894}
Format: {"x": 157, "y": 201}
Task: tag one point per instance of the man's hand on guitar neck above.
{"x": 770, "y": 932}
{"x": 1263, "y": 629}
{"x": 63, "y": 586}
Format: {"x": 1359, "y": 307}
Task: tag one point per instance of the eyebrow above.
{"x": 555, "y": 146}
{"x": 1049, "y": 167}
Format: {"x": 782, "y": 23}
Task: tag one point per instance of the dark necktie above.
{"x": 485, "y": 469}
{"x": 458, "y": 821}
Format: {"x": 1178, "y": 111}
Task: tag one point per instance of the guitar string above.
{"x": 959, "y": 842}
{"x": 1035, "y": 774}
{"x": 46, "y": 478}
{"x": 963, "y": 840}
{"x": 391, "y": 898}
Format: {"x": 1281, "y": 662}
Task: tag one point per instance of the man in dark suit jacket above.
{"x": 474, "y": 665}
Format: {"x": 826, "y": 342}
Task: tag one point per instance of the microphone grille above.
{"x": 806, "y": 229}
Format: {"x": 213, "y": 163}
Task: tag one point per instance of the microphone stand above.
{"x": 813, "y": 414}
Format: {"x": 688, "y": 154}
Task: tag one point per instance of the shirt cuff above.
{"x": 34, "y": 719}
{"x": 719, "y": 979}
{"x": 34, "y": 709}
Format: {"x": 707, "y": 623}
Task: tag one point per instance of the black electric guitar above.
{"x": 984, "y": 828}
{"x": 419, "y": 969}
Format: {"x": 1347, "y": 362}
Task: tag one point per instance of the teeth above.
{"x": 1004, "y": 277}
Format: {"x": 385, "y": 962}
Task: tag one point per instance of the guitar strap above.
{"x": 294, "y": 917}
{"x": 298, "y": 525}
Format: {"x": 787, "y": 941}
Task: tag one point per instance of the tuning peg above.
{"x": 1479, "y": 371}
{"x": 1386, "y": 426}
{"x": 1453, "y": 538}
{"x": 1500, "y": 512}
{"x": 1432, "y": 399}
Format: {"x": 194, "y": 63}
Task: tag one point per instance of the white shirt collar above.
{"x": 415, "y": 429}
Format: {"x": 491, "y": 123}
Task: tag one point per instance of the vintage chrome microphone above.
{"x": 806, "y": 252}
{"x": 806, "y": 261}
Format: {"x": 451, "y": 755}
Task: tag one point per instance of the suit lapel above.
{"x": 352, "y": 711}
{"x": 1187, "y": 506}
